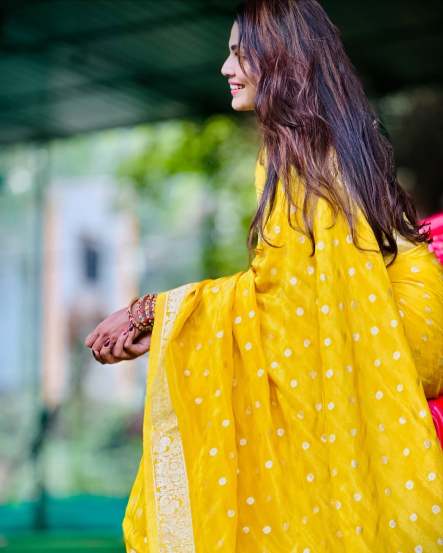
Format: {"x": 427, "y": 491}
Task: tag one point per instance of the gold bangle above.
{"x": 142, "y": 327}
{"x": 149, "y": 306}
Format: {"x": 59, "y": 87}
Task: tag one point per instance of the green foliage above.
{"x": 218, "y": 155}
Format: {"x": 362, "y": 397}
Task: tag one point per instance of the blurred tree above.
{"x": 219, "y": 154}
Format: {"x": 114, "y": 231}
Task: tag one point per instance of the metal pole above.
{"x": 41, "y": 415}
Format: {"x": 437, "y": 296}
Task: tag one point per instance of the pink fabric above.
{"x": 435, "y": 223}
{"x": 436, "y": 408}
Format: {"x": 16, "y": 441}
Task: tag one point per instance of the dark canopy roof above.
{"x": 69, "y": 66}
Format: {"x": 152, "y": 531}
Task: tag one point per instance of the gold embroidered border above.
{"x": 170, "y": 482}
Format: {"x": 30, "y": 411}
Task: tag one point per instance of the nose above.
{"x": 226, "y": 69}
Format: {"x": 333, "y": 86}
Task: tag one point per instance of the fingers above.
{"x": 96, "y": 348}
{"x": 102, "y": 342}
{"x": 105, "y": 352}
{"x": 90, "y": 339}
{"x": 97, "y": 342}
{"x": 132, "y": 333}
{"x": 118, "y": 350}
{"x": 140, "y": 347}
{"x": 96, "y": 356}
{"x": 108, "y": 349}
{"x": 103, "y": 347}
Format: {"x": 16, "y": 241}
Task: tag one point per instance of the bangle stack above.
{"x": 145, "y": 308}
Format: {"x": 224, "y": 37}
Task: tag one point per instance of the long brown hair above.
{"x": 311, "y": 104}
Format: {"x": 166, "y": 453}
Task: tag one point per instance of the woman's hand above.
{"x": 115, "y": 339}
{"x": 130, "y": 345}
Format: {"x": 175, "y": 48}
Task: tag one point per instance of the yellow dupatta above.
{"x": 286, "y": 404}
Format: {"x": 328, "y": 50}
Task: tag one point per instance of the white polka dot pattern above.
{"x": 294, "y": 393}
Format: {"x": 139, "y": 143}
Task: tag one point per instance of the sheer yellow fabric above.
{"x": 286, "y": 404}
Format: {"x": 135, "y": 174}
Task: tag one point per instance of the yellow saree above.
{"x": 286, "y": 404}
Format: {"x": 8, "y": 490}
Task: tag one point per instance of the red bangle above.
{"x": 149, "y": 307}
{"x": 140, "y": 325}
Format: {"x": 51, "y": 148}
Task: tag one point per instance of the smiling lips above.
{"x": 235, "y": 88}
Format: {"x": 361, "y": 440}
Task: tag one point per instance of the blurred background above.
{"x": 123, "y": 170}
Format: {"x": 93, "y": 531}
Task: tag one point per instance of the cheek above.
{"x": 252, "y": 91}
{"x": 252, "y": 87}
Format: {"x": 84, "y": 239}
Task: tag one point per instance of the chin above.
{"x": 241, "y": 106}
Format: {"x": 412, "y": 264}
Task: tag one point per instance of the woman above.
{"x": 286, "y": 404}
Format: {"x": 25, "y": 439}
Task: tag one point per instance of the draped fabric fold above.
{"x": 286, "y": 405}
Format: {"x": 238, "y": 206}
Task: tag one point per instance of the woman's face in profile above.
{"x": 242, "y": 88}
